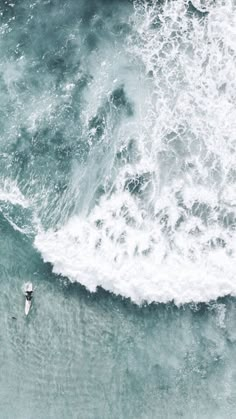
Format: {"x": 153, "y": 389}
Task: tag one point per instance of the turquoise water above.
{"x": 83, "y": 355}
{"x": 98, "y": 356}
{"x": 117, "y": 201}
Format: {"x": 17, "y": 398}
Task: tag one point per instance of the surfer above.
{"x": 29, "y": 296}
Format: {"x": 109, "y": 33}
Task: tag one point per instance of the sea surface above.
{"x": 118, "y": 202}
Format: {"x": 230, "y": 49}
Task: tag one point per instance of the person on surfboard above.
{"x": 29, "y": 295}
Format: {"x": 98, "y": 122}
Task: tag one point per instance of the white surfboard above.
{"x": 28, "y": 295}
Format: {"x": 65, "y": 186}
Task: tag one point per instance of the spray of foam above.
{"x": 15, "y": 207}
{"x": 164, "y": 227}
{"x": 9, "y": 192}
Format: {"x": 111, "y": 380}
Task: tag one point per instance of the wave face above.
{"x": 118, "y": 128}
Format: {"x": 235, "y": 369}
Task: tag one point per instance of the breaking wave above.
{"x": 131, "y": 165}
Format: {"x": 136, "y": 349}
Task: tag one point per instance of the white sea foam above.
{"x": 164, "y": 228}
{"x": 11, "y": 196}
{"x": 10, "y": 192}
{"x": 75, "y": 251}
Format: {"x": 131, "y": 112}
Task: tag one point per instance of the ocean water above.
{"x": 117, "y": 201}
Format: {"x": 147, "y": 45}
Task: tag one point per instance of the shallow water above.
{"x": 117, "y": 200}
{"x": 97, "y": 356}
